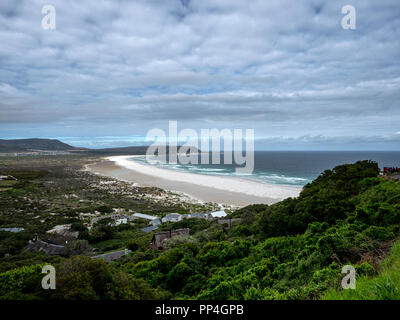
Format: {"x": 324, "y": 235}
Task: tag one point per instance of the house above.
{"x": 115, "y": 217}
{"x": 391, "y": 169}
{"x": 196, "y": 215}
{"x": 3, "y": 177}
{"x": 144, "y": 216}
{"x": 46, "y": 247}
{"x": 172, "y": 217}
{"x": 157, "y": 242}
{"x": 59, "y": 228}
{"x": 66, "y": 234}
{"x": 121, "y": 221}
{"x": 111, "y": 256}
{"x": 218, "y": 214}
{"x": 149, "y": 229}
{"x": 64, "y": 231}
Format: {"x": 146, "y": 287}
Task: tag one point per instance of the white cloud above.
{"x": 270, "y": 65}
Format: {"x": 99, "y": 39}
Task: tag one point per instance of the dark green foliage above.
{"x": 102, "y": 231}
{"x": 82, "y": 278}
{"x": 133, "y": 246}
{"x": 21, "y": 283}
{"x": 78, "y": 247}
{"x": 298, "y": 247}
{"x": 104, "y": 209}
{"x": 178, "y": 276}
{"x": 251, "y": 209}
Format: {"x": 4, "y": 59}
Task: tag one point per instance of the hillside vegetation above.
{"x": 294, "y": 249}
{"x": 384, "y": 286}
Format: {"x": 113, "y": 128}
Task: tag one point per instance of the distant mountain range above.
{"x": 24, "y": 145}
{"x": 29, "y": 145}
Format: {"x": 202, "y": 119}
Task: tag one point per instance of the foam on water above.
{"x": 295, "y": 168}
{"x": 260, "y": 176}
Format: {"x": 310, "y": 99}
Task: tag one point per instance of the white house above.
{"x": 144, "y": 216}
{"x": 218, "y": 214}
{"x": 64, "y": 230}
{"x": 196, "y": 215}
{"x": 59, "y": 228}
{"x": 172, "y": 217}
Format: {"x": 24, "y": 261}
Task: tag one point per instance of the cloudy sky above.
{"x": 112, "y": 70}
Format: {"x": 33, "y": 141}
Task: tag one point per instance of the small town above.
{"x": 60, "y": 235}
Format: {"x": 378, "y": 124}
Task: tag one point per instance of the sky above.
{"x": 112, "y": 70}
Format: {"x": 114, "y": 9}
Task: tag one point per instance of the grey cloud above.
{"x": 262, "y": 64}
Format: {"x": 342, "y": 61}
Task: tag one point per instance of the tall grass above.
{"x": 385, "y": 286}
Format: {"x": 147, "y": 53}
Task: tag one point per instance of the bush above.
{"x": 16, "y": 283}
{"x": 84, "y": 278}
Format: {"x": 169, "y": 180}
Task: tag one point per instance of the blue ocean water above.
{"x": 288, "y": 167}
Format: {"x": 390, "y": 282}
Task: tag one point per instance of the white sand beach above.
{"x": 207, "y": 188}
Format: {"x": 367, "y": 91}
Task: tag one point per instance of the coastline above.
{"x": 222, "y": 190}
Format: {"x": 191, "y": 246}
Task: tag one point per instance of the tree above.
{"x": 78, "y": 247}
{"x": 83, "y": 278}
{"x": 178, "y": 276}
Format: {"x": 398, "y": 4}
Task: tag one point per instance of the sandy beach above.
{"x": 222, "y": 190}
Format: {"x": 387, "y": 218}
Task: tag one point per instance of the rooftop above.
{"x": 144, "y": 216}
{"x": 218, "y": 214}
{"x": 111, "y": 256}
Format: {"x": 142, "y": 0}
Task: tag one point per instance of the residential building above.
{"x": 64, "y": 231}
{"x": 157, "y": 242}
{"x": 172, "y": 217}
{"x": 121, "y": 221}
{"x": 149, "y": 229}
{"x": 218, "y": 214}
{"x": 196, "y": 215}
{"x": 47, "y": 248}
{"x": 144, "y": 216}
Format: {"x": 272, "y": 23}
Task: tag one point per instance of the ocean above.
{"x": 288, "y": 167}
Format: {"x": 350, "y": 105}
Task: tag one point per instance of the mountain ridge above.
{"x": 39, "y": 144}
{"x": 33, "y": 144}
